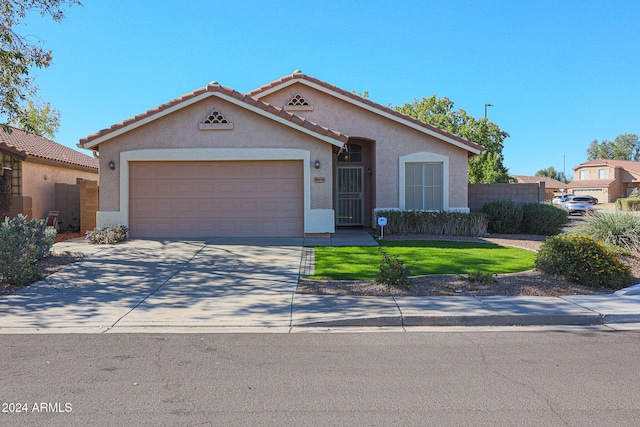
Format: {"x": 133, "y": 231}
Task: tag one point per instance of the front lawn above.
{"x": 433, "y": 257}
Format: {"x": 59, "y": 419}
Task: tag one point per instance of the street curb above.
{"x": 491, "y": 320}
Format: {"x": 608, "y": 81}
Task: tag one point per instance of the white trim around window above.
{"x": 423, "y": 157}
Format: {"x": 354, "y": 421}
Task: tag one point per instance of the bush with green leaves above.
{"x": 434, "y": 223}
{"x": 582, "y": 260}
{"x": 22, "y": 244}
{"x": 394, "y": 271}
{"x": 629, "y": 204}
{"x": 109, "y": 235}
{"x": 621, "y": 229}
{"x": 504, "y": 216}
{"x": 543, "y": 218}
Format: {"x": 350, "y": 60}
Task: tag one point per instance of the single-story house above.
{"x": 551, "y": 186}
{"x": 296, "y": 157}
{"x": 37, "y": 165}
{"x": 605, "y": 179}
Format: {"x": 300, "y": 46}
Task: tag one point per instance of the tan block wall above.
{"x": 88, "y": 205}
{"x": 479, "y": 194}
{"x": 38, "y": 182}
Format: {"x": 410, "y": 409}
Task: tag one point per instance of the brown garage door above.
{"x": 198, "y": 199}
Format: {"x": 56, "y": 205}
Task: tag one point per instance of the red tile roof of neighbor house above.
{"x": 624, "y": 164}
{"x": 25, "y": 145}
{"x": 215, "y": 87}
{"x": 548, "y": 182}
{"x": 299, "y": 75}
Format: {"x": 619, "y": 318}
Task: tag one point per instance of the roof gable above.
{"x": 28, "y": 145}
{"x": 228, "y": 94}
{"x": 299, "y": 77}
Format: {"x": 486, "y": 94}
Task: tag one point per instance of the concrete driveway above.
{"x": 148, "y": 283}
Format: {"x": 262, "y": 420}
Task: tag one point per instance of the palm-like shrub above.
{"x": 621, "y": 229}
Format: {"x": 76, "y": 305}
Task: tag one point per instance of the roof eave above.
{"x": 93, "y": 144}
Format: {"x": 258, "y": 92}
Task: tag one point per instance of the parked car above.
{"x": 578, "y": 204}
{"x": 558, "y": 199}
{"x": 594, "y": 201}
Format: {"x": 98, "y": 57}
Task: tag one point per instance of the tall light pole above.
{"x": 485, "y": 109}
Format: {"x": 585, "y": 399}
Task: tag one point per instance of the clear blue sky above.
{"x": 559, "y": 73}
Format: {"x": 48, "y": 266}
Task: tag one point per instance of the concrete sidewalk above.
{"x": 244, "y": 285}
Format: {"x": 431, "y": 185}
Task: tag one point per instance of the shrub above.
{"x": 504, "y": 216}
{"x": 628, "y": 204}
{"x": 543, "y": 218}
{"x": 394, "y": 272}
{"x": 109, "y": 235}
{"x": 479, "y": 277}
{"x": 582, "y": 260}
{"x": 621, "y": 229}
{"x": 434, "y": 223}
{"x": 22, "y": 244}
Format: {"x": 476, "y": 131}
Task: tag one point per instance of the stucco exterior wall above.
{"x": 39, "y": 180}
{"x": 392, "y": 141}
{"x": 253, "y": 137}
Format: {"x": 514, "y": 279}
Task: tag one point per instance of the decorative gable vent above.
{"x": 298, "y": 103}
{"x": 215, "y": 120}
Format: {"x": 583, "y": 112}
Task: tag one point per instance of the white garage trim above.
{"x": 315, "y": 220}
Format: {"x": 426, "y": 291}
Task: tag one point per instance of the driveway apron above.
{"x": 146, "y": 283}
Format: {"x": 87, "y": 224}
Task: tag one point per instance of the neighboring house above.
{"x": 605, "y": 179}
{"x": 38, "y": 164}
{"x": 551, "y": 186}
{"x": 296, "y": 157}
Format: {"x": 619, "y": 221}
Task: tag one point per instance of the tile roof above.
{"x": 299, "y": 75}
{"x": 548, "y": 182}
{"x": 590, "y": 183}
{"x": 27, "y": 145}
{"x": 215, "y": 87}
{"x": 624, "y": 164}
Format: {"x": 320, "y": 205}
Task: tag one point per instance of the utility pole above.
{"x": 485, "y": 109}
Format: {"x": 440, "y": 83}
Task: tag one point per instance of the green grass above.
{"x": 433, "y": 257}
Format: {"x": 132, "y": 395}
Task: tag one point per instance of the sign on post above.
{"x": 382, "y": 221}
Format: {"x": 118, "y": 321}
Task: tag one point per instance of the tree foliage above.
{"x": 439, "y": 112}
{"x": 19, "y": 54}
{"x": 551, "y": 172}
{"x": 39, "y": 118}
{"x": 625, "y": 146}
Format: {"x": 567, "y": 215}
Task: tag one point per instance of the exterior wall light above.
{"x": 112, "y": 165}
{"x": 317, "y": 164}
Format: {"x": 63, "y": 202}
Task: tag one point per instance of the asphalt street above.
{"x": 551, "y": 378}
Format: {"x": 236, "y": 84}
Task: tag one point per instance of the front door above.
{"x": 350, "y": 195}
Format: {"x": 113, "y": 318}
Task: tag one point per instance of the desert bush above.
{"x": 394, "y": 271}
{"x": 434, "y": 223}
{"x": 628, "y": 204}
{"x": 109, "y": 235}
{"x": 22, "y": 244}
{"x": 582, "y": 260}
{"x": 543, "y": 218}
{"x": 504, "y": 216}
{"x": 621, "y": 229}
